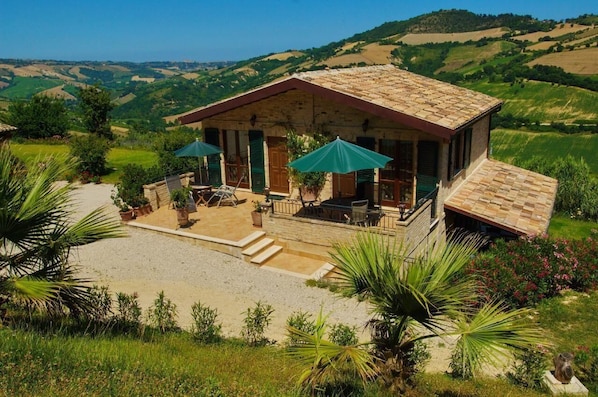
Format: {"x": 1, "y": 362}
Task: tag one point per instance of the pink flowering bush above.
{"x": 525, "y": 271}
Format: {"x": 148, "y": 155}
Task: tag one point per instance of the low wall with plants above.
{"x": 157, "y": 192}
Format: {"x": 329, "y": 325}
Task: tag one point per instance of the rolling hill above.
{"x": 516, "y": 58}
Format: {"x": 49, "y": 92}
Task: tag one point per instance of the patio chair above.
{"x": 226, "y": 193}
{"x": 359, "y": 216}
{"x": 173, "y": 182}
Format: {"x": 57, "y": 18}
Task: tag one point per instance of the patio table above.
{"x": 339, "y": 209}
{"x": 202, "y": 192}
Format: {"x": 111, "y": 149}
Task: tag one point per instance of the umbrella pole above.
{"x": 200, "y": 175}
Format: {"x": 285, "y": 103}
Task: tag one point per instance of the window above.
{"x": 459, "y": 152}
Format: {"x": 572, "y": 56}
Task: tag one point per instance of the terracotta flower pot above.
{"x": 182, "y": 216}
{"x": 126, "y": 216}
{"x": 145, "y": 209}
{"x": 256, "y": 217}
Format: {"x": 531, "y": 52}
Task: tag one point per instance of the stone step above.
{"x": 322, "y": 272}
{"x": 267, "y": 254}
{"x": 257, "y": 247}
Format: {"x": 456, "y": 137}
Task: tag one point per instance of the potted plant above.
{"x": 256, "y": 214}
{"x": 141, "y": 206}
{"x": 180, "y": 198}
{"x": 125, "y": 211}
{"x": 310, "y": 184}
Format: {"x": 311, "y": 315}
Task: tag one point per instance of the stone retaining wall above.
{"x": 157, "y": 192}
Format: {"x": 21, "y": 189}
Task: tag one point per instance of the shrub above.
{"x": 162, "y": 314}
{"x": 303, "y": 322}
{"x": 255, "y": 323}
{"x": 204, "y": 328}
{"x": 128, "y": 315}
{"x": 418, "y": 356}
{"x": 459, "y": 367}
{"x": 91, "y": 152}
{"x": 577, "y": 193}
{"x": 101, "y": 304}
{"x": 165, "y": 145}
{"x": 587, "y": 362}
{"x": 523, "y": 272}
{"x": 529, "y": 367}
{"x": 343, "y": 335}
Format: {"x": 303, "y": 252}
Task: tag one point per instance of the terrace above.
{"x": 294, "y": 238}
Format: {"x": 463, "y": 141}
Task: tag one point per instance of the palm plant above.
{"x": 37, "y": 235}
{"x": 426, "y": 297}
{"x": 329, "y": 365}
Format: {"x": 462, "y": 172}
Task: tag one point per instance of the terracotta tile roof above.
{"x": 386, "y": 91}
{"x": 506, "y": 196}
{"x": 6, "y": 127}
{"x": 401, "y": 91}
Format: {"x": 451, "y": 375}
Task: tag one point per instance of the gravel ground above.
{"x": 148, "y": 263}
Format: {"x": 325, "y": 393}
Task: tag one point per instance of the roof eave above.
{"x": 337, "y": 96}
{"x": 237, "y": 101}
{"x": 486, "y": 220}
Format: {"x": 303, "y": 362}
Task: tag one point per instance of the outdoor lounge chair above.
{"x": 226, "y": 193}
{"x": 173, "y": 182}
{"x": 359, "y": 214}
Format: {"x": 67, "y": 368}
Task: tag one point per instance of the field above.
{"x": 117, "y": 157}
{"x": 556, "y": 32}
{"x": 26, "y": 87}
{"x": 462, "y": 55}
{"x": 510, "y": 146}
{"x": 422, "y": 38}
{"x": 539, "y": 101}
{"x": 578, "y": 61}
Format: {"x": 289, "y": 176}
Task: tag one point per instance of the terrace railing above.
{"x": 338, "y": 214}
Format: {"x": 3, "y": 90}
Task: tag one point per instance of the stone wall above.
{"x": 415, "y": 232}
{"x": 157, "y": 192}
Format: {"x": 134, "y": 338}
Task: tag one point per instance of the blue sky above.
{"x": 202, "y": 30}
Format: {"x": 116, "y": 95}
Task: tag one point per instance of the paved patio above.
{"x": 230, "y": 229}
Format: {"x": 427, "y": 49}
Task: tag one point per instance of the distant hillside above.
{"x": 494, "y": 54}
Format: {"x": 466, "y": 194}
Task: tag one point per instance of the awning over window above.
{"x": 508, "y": 197}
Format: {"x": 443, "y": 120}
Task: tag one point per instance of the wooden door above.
{"x": 278, "y": 157}
{"x": 343, "y": 185}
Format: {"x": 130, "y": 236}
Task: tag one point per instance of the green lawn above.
{"x": 510, "y": 146}
{"x": 117, "y": 157}
{"x": 570, "y": 321}
{"x": 571, "y": 229}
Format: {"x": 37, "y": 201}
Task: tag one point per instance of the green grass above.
{"x": 571, "y": 321}
{"x": 510, "y": 146}
{"x": 26, "y": 87}
{"x": 571, "y": 229}
{"x": 54, "y": 365}
{"x": 117, "y": 157}
{"x": 35, "y": 365}
{"x": 542, "y": 102}
{"x": 461, "y": 55}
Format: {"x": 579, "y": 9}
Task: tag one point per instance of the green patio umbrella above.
{"x": 340, "y": 157}
{"x": 198, "y": 149}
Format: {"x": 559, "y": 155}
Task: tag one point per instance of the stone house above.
{"x": 436, "y": 133}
